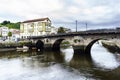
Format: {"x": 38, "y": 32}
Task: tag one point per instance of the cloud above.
{"x": 30, "y": 8}
{"x": 73, "y": 10}
{"x": 1, "y": 19}
{"x": 95, "y": 12}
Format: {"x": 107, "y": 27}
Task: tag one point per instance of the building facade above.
{"x": 4, "y": 32}
{"x": 15, "y": 34}
{"x": 54, "y": 30}
{"x": 35, "y": 27}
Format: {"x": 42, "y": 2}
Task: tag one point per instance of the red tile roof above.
{"x": 35, "y": 20}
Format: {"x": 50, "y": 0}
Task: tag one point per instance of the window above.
{"x": 39, "y": 23}
{"x": 39, "y": 28}
{"x": 48, "y": 28}
{"x": 48, "y": 24}
{"x": 32, "y": 25}
{"x": 31, "y": 28}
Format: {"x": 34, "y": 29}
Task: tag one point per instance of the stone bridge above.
{"x": 81, "y": 41}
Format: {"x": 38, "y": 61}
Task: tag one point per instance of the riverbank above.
{"x": 7, "y": 49}
{"x": 111, "y": 46}
{"x": 12, "y": 46}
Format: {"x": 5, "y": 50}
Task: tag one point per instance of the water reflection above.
{"x": 64, "y": 65}
{"x": 68, "y": 53}
{"x": 102, "y": 58}
{"x": 41, "y": 67}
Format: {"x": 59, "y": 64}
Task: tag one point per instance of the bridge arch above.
{"x": 56, "y": 44}
{"x": 89, "y": 46}
{"x": 40, "y": 45}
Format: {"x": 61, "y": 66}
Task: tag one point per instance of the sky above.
{"x": 96, "y": 13}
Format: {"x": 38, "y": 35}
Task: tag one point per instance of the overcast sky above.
{"x": 97, "y": 13}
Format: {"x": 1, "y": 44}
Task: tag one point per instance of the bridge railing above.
{"x": 83, "y": 33}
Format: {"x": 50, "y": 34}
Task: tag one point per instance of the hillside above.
{"x": 10, "y": 24}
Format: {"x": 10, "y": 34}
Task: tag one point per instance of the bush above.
{"x": 24, "y": 43}
{"x": 75, "y": 40}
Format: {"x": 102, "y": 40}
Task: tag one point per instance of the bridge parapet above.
{"x": 78, "y": 41}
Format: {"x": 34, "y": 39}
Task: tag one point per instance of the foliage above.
{"x": 0, "y": 35}
{"x": 23, "y": 43}
{"x": 10, "y": 25}
{"x": 14, "y": 25}
{"x": 66, "y": 42}
{"x": 5, "y": 22}
{"x": 13, "y": 44}
{"x": 0, "y": 25}
{"x": 8, "y": 44}
{"x": 61, "y": 30}
{"x": 9, "y": 34}
{"x": 76, "y": 40}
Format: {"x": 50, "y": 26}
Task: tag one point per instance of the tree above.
{"x": 5, "y": 22}
{"x": 9, "y": 34}
{"x": 0, "y": 25}
{"x": 14, "y": 25}
{"x": 10, "y": 25}
{"x": 61, "y": 30}
{"x": 0, "y": 35}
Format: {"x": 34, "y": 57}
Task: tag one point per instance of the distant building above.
{"x": 4, "y": 32}
{"x": 36, "y": 27}
{"x": 54, "y": 30}
{"x": 15, "y": 34}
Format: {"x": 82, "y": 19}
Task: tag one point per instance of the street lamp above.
{"x": 86, "y": 26}
{"x": 76, "y": 25}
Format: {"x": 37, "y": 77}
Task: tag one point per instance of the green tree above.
{"x": 17, "y": 25}
{"x": 9, "y": 34}
{"x": 0, "y": 25}
{"x": 61, "y": 30}
{"x": 0, "y": 35}
{"x": 10, "y": 25}
{"x": 14, "y": 25}
{"x": 5, "y": 22}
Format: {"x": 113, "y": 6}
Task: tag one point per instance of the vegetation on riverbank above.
{"x": 110, "y": 46}
{"x": 14, "y": 45}
{"x": 65, "y": 44}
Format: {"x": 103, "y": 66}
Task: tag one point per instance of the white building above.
{"x": 54, "y": 30}
{"x": 36, "y": 27}
{"x": 15, "y": 34}
{"x": 4, "y": 32}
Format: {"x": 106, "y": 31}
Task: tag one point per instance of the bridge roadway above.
{"x": 84, "y": 33}
{"x": 81, "y": 41}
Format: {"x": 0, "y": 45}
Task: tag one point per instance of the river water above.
{"x": 64, "y": 65}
